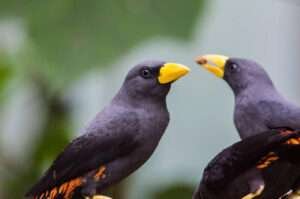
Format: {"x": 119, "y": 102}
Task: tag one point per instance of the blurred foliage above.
{"x": 71, "y": 36}
{"x": 5, "y": 73}
{"x": 66, "y": 38}
{"x": 175, "y": 191}
{"x": 53, "y": 137}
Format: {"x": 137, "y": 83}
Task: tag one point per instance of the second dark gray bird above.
{"x": 118, "y": 141}
{"x": 259, "y": 106}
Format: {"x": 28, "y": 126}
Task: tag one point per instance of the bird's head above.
{"x": 153, "y": 78}
{"x": 238, "y": 73}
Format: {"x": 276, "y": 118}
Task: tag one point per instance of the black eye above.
{"x": 233, "y": 67}
{"x": 146, "y": 73}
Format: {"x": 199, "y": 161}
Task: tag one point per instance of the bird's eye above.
{"x": 146, "y": 73}
{"x": 233, "y": 67}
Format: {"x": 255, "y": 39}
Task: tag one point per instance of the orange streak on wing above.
{"x": 72, "y": 185}
{"x": 293, "y": 141}
{"x": 53, "y": 193}
{"x": 66, "y": 190}
{"x": 63, "y": 188}
{"x": 267, "y": 160}
{"x": 99, "y": 173}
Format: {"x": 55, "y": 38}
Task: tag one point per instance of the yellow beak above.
{"x": 170, "y": 72}
{"x": 213, "y": 63}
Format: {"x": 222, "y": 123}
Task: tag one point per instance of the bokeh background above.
{"x": 61, "y": 61}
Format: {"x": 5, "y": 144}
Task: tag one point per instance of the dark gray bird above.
{"x": 259, "y": 106}
{"x": 118, "y": 141}
{"x": 257, "y": 101}
{"x": 238, "y": 171}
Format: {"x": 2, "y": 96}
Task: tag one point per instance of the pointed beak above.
{"x": 213, "y": 63}
{"x": 170, "y": 72}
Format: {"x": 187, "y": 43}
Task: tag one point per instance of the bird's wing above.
{"x": 255, "y": 151}
{"x": 89, "y": 152}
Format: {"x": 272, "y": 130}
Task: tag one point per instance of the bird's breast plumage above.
{"x": 248, "y": 118}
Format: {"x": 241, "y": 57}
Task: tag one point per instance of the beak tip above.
{"x": 187, "y": 70}
{"x": 201, "y": 60}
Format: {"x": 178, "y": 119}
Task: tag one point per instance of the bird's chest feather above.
{"x": 152, "y": 127}
{"x": 250, "y": 118}
{"x": 154, "y": 123}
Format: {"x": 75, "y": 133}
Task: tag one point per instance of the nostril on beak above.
{"x": 201, "y": 60}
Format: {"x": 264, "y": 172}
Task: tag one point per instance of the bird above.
{"x": 118, "y": 141}
{"x": 238, "y": 171}
{"x": 259, "y": 106}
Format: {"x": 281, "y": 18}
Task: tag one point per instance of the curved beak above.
{"x": 213, "y": 63}
{"x": 170, "y": 72}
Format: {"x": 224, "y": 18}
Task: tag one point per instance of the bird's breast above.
{"x": 248, "y": 120}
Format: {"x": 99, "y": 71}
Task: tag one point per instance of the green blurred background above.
{"x": 62, "y": 60}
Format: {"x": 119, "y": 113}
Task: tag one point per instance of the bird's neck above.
{"x": 259, "y": 84}
{"x": 257, "y": 90}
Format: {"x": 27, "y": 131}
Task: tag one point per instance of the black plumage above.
{"x": 237, "y": 170}
{"x": 120, "y": 138}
